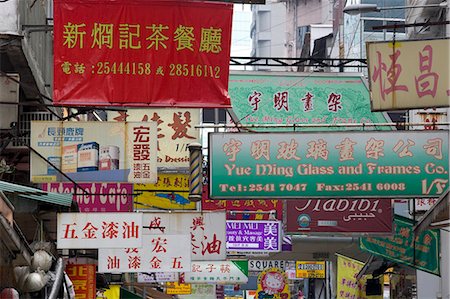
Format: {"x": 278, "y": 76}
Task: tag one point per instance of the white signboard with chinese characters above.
{"x": 157, "y": 277}
{"x": 421, "y": 205}
{"x": 229, "y": 272}
{"x": 207, "y": 231}
{"x": 141, "y": 147}
{"x": 99, "y": 230}
{"x": 175, "y": 131}
{"x": 162, "y": 253}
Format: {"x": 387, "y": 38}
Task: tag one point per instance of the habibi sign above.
{"x": 339, "y": 216}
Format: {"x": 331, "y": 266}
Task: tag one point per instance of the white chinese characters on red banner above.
{"x": 162, "y": 253}
{"x": 99, "y": 230}
{"x": 206, "y": 231}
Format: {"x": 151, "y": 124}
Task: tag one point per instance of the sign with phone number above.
{"x": 142, "y": 53}
{"x": 331, "y": 164}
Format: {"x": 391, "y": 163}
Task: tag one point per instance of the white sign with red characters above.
{"x": 161, "y": 253}
{"x": 142, "y": 151}
{"x": 228, "y": 272}
{"x": 99, "y": 230}
{"x": 206, "y": 231}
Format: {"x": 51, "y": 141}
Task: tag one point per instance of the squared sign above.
{"x": 164, "y": 253}
{"x": 328, "y": 164}
{"x": 207, "y": 231}
{"x": 253, "y": 236}
{"x": 142, "y": 53}
{"x": 409, "y": 74}
{"x": 99, "y": 230}
{"x": 93, "y": 151}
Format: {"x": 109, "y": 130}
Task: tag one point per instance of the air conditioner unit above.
{"x": 9, "y": 100}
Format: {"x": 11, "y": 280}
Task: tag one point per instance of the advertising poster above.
{"x": 169, "y": 193}
{"x": 93, "y": 151}
{"x": 273, "y": 283}
{"x": 99, "y": 230}
{"x": 175, "y": 127}
{"x": 151, "y": 277}
{"x": 347, "y": 284}
{"x": 244, "y": 209}
{"x": 328, "y": 165}
{"x": 302, "y": 99}
{"x": 97, "y": 197}
{"x": 175, "y": 288}
{"x": 163, "y": 253}
{"x": 253, "y": 236}
{"x": 339, "y": 216}
{"x": 206, "y": 229}
{"x": 142, "y": 53}
{"x": 83, "y": 279}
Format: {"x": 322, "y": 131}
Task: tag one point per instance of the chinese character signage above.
{"x": 163, "y": 253}
{"x": 421, "y": 252}
{"x": 93, "y": 151}
{"x": 421, "y": 205}
{"x": 244, "y": 209}
{"x": 339, "y": 216}
{"x": 83, "y": 278}
{"x": 142, "y": 53}
{"x": 175, "y": 127}
{"x": 99, "y": 230}
{"x": 206, "y": 231}
{"x": 328, "y": 164}
{"x": 409, "y": 74}
{"x": 273, "y": 283}
{"x": 310, "y": 269}
{"x": 228, "y": 272}
{"x": 169, "y": 193}
{"x": 97, "y": 197}
{"x": 300, "y": 99}
{"x": 253, "y": 236}
{"x": 347, "y": 284}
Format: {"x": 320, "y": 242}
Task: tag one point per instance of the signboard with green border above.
{"x": 328, "y": 164}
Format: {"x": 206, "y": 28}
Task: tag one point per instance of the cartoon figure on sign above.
{"x": 272, "y": 284}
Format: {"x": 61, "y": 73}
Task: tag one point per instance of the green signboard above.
{"x": 296, "y": 98}
{"x": 420, "y": 251}
{"x": 328, "y": 164}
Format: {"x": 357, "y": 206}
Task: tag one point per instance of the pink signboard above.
{"x": 97, "y": 197}
{"x": 339, "y": 216}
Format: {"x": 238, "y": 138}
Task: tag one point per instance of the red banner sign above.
{"x": 142, "y": 53}
{"x": 339, "y": 216}
{"x": 83, "y": 279}
{"x": 244, "y": 209}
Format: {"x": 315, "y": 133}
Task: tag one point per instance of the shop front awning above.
{"x": 375, "y": 266}
{"x": 36, "y": 194}
{"x": 436, "y": 217}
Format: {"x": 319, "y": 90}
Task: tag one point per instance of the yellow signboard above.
{"x": 309, "y": 269}
{"x": 170, "y": 192}
{"x": 347, "y": 284}
{"x": 409, "y": 74}
{"x": 175, "y": 288}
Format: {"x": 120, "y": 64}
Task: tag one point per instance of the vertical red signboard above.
{"x": 83, "y": 280}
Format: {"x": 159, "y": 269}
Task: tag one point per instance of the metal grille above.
{"x": 24, "y": 126}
